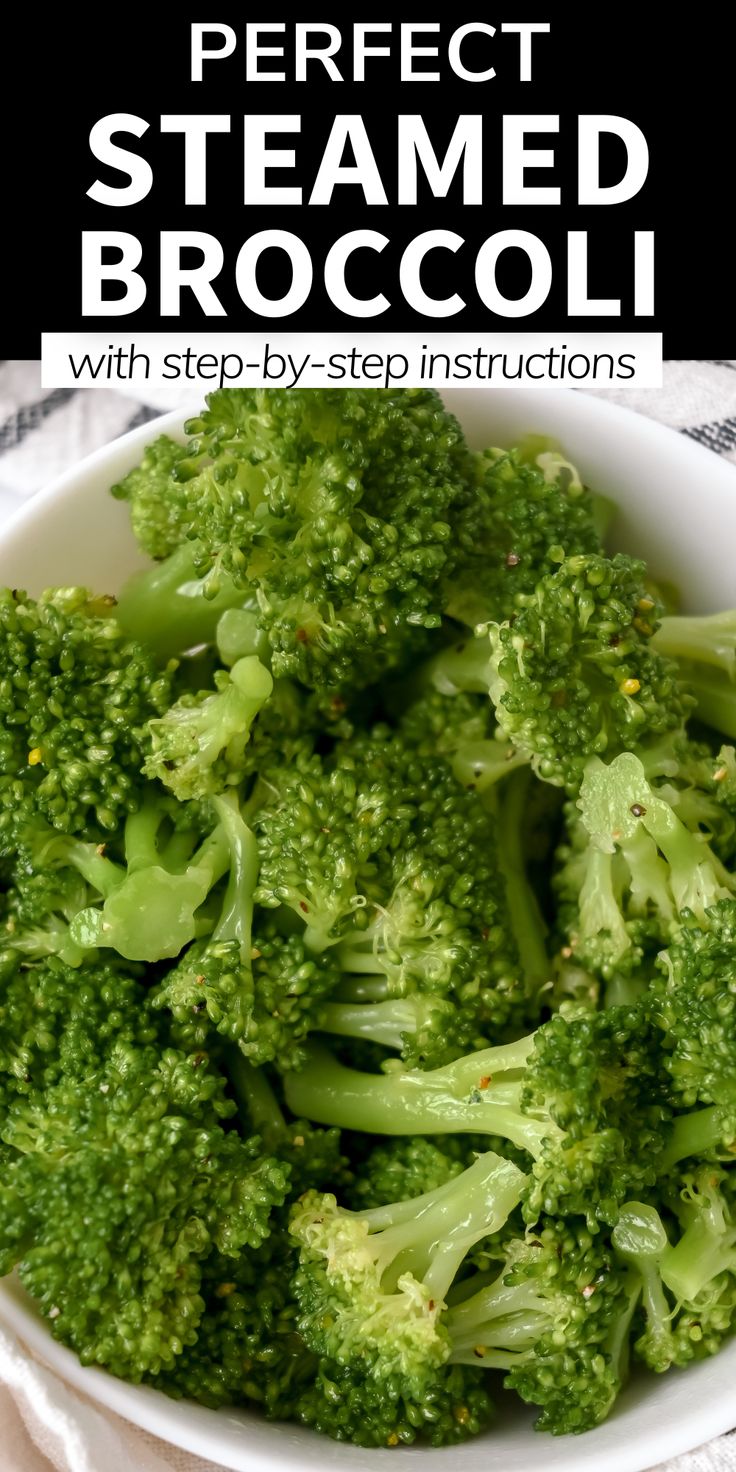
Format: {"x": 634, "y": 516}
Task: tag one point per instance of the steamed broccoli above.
{"x": 574, "y": 674}
{"x": 391, "y": 869}
{"x": 522, "y": 517}
{"x": 75, "y": 697}
{"x": 330, "y": 508}
{"x": 198, "y": 745}
{"x": 705, "y": 649}
{"x": 151, "y": 903}
{"x": 556, "y": 1320}
{"x": 367, "y": 970}
{"x": 371, "y": 1285}
{"x": 125, "y": 1142}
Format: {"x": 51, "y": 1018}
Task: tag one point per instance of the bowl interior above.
{"x": 677, "y": 507}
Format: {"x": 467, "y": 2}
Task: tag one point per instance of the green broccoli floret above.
{"x": 693, "y": 1267}
{"x": 616, "y": 905}
{"x": 55, "y": 1021}
{"x": 151, "y": 903}
{"x": 249, "y": 1352}
{"x": 586, "y": 1098}
{"x": 398, "y": 1169}
{"x": 556, "y": 1320}
{"x": 522, "y": 517}
{"x": 75, "y": 697}
{"x": 331, "y": 508}
{"x": 459, "y": 726}
{"x": 122, "y": 1179}
{"x": 705, "y": 648}
{"x": 198, "y": 745}
{"x": 372, "y": 1285}
{"x": 693, "y": 1001}
{"x": 392, "y": 867}
{"x": 687, "y": 1288}
{"x": 156, "y": 497}
{"x": 666, "y": 870}
{"x": 574, "y": 674}
{"x": 350, "y": 1406}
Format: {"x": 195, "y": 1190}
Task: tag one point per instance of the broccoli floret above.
{"x": 556, "y": 1320}
{"x": 152, "y": 904}
{"x": 522, "y": 517}
{"x": 398, "y": 1169}
{"x": 350, "y": 1406}
{"x": 198, "y": 745}
{"x": 331, "y": 508}
{"x": 75, "y": 697}
{"x": 56, "y": 1020}
{"x": 667, "y": 868}
{"x": 122, "y": 1179}
{"x": 156, "y": 497}
{"x": 585, "y": 1098}
{"x": 392, "y": 867}
{"x": 687, "y": 1287}
{"x": 692, "y": 1000}
{"x": 371, "y": 1285}
{"x": 574, "y": 674}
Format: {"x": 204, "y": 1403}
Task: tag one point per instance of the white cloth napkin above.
{"x": 43, "y": 1423}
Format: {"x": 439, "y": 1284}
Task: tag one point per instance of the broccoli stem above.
{"x": 705, "y": 1249}
{"x": 150, "y": 915}
{"x": 715, "y": 695}
{"x": 355, "y": 988}
{"x": 430, "y": 1235}
{"x": 694, "y": 1134}
{"x": 640, "y": 1239}
{"x": 458, "y": 1098}
{"x": 705, "y": 639}
{"x": 239, "y": 634}
{"x": 168, "y": 606}
{"x": 255, "y": 1098}
{"x": 499, "y": 1326}
{"x": 142, "y": 830}
{"x": 618, "y": 1339}
{"x": 385, "y": 1022}
{"x": 236, "y": 919}
{"x": 87, "y": 858}
{"x": 462, "y": 667}
{"x": 481, "y": 764}
{"x": 526, "y": 917}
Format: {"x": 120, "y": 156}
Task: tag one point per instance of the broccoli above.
{"x": 75, "y": 697}
{"x": 198, "y": 745}
{"x": 390, "y": 867}
{"x": 586, "y": 1098}
{"x": 671, "y": 868}
{"x": 371, "y": 1285}
{"x": 575, "y": 674}
{"x": 368, "y": 935}
{"x": 150, "y": 903}
{"x": 249, "y": 1352}
{"x": 692, "y": 1000}
{"x": 397, "y": 1169}
{"x": 705, "y": 649}
{"x": 329, "y": 508}
{"x": 129, "y": 1145}
{"x": 156, "y": 510}
{"x": 521, "y": 518}
{"x": 555, "y": 1319}
{"x": 687, "y": 1288}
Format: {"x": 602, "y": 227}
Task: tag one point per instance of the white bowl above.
{"x": 678, "y": 508}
